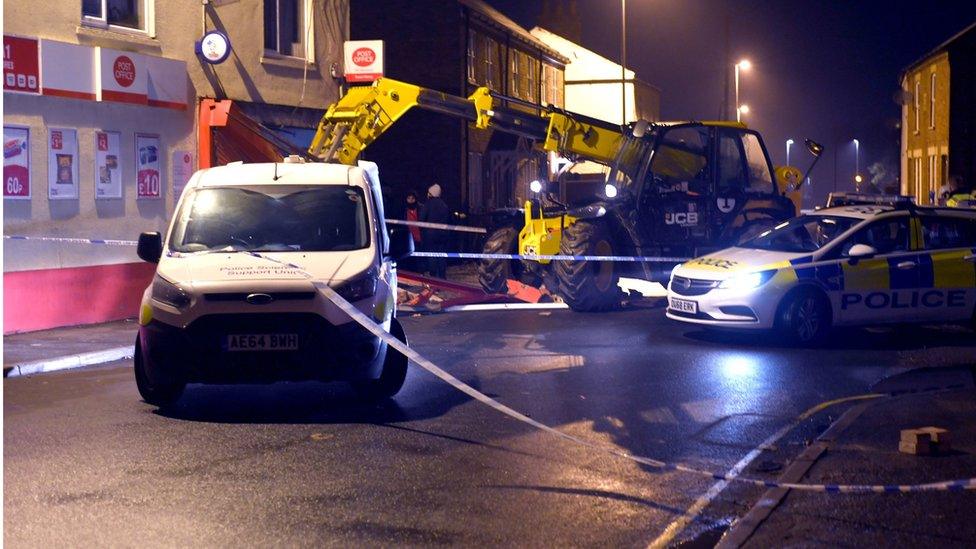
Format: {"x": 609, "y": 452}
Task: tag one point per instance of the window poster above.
{"x": 182, "y": 171}
{"x": 108, "y": 169}
{"x": 147, "y": 166}
{"x": 62, "y": 162}
{"x": 16, "y": 163}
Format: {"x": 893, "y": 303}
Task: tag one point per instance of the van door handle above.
{"x": 905, "y": 265}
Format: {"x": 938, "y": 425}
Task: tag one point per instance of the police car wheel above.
{"x": 156, "y": 386}
{"x": 394, "y": 371}
{"x": 804, "y": 317}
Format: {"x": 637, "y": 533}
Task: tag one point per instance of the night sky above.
{"x": 824, "y": 70}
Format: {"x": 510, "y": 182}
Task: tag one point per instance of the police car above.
{"x": 864, "y": 264}
{"x": 232, "y": 301}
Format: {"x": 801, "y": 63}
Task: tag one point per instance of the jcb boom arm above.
{"x": 362, "y": 115}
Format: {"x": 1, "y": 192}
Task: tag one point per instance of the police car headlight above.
{"x": 747, "y": 281}
{"x": 361, "y": 288}
{"x": 166, "y": 292}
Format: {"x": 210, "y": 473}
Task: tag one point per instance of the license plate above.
{"x": 262, "y": 342}
{"x": 684, "y": 306}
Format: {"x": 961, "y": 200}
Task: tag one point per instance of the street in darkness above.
{"x": 87, "y": 463}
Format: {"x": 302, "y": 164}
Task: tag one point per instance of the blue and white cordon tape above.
{"x": 623, "y": 258}
{"x": 375, "y": 329}
{"x": 439, "y": 226}
{"x": 104, "y": 241}
{"x": 451, "y": 255}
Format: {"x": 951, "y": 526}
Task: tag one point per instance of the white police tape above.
{"x": 105, "y": 241}
{"x": 441, "y": 226}
{"x": 378, "y": 331}
{"x": 620, "y": 258}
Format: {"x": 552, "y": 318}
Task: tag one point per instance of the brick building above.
{"x": 107, "y": 109}
{"x": 939, "y": 117}
{"x": 456, "y": 46}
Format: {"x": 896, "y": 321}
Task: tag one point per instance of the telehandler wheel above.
{"x": 493, "y": 273}
{"x": 588, "y": 285}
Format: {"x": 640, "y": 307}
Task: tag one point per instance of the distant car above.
{"x": 838, "y": 266}
{"x": 219, "y": 311}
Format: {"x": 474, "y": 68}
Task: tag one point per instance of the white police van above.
{"x": 864, "y": 264}
{"x": 224, "y": 306}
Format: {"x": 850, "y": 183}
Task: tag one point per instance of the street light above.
{"x": 857, "y": 159}
{"x": 623, "y": 62}
{"x": 789, "y": 142}
{"x": 740, "y": 109}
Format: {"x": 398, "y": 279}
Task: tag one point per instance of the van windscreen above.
{"x": 312, "y": 218}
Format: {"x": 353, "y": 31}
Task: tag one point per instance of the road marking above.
{"x": 705, "y": 499}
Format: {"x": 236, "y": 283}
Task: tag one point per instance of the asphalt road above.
{"x": 86, "y": 462}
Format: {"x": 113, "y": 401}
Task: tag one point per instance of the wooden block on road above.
{"x": 916, "y": 442}
{"x": 941, "y": 438}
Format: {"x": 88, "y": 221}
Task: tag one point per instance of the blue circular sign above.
{"x": 214, "y": 47}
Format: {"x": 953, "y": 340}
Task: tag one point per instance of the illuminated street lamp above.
{"x": 740, "y": 109}
{"x": 789, "y": 142}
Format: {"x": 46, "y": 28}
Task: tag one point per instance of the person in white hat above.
{"x": 436, "y": 240}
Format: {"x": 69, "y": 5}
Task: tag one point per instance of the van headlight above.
{"x": 358, "y": 289}
{"x": 166, "y": 292}
{"x": 747, "y": 281}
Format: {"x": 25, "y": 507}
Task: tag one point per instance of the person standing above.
{"x": 435, "y": 240}
{"x": 411, "y": 212}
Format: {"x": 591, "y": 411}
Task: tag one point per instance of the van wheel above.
{"x": 156, "y": 386}
{"x": 394, "y": 371}
{"x": 804, "y": 317}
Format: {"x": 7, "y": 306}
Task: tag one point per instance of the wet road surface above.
{"x": 87, "y": 462}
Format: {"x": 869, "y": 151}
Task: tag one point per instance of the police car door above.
{"x": 883, "y": 287}
{"x": 950, "y": 240}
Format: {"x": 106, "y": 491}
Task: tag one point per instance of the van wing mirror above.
{"x": 150, "y": 247}
{"x": 401, "y": 243}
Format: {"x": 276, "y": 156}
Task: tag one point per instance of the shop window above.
{"x": 120, "y": 14}
{"x": 288, "y": 28}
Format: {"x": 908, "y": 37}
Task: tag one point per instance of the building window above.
{"x": 933, "y": 179}
{"x": 944, "y": 170}
{"x": 493, "y": 75}
{"x": 917, "y": 90}
{"x": 472, "y": 46}
{"x": 920, "y": 194}
{"x": 287, "y": 27}
{"x": 932, "y": 101}
{"x": 560, "y": 101}
{"x": 532, "y": 80}
{"x": 514, "y": 84}
{"x": 125, "y": 14}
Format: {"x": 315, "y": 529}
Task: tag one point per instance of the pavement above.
{"x": 87, "y": 463}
